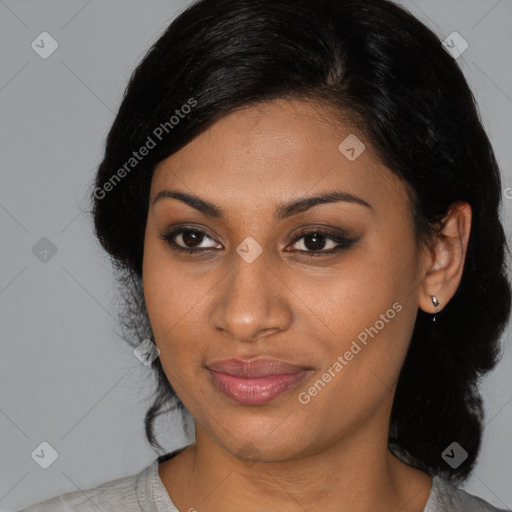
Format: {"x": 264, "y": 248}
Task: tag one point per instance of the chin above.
{"x": 253, "y": 441}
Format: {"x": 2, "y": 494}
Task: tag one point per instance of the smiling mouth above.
{"x": 255, "y": 381}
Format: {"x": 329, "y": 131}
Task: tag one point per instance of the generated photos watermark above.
{"x": 151, "y": 142}
{"x": 305, "y": 397}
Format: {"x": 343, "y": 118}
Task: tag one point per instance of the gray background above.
{"x": 67, "y": 377}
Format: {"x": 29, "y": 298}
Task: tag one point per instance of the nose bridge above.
{"x": 250, "y": 301}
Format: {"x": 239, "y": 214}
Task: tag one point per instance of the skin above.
{"x": 330, "y": 454}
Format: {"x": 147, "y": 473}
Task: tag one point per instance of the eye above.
{"x": 316, "y": 240}
{"x": 191, "y": 240}
{"x": 188, "y": 240}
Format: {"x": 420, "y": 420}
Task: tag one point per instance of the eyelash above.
{"x": 343, "y": 242}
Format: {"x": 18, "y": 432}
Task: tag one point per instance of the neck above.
{"x": 353, "y": 475}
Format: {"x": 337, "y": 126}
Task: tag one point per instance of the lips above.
{"x": 255, "y": 381}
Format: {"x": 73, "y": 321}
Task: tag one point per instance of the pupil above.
{"x": 315, "y": 237}
{"x": 191, "y": 238}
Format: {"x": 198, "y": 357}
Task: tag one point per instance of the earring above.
{"x": 436, "y": 303}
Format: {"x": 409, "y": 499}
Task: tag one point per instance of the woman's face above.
{"x": 267, "y": 286}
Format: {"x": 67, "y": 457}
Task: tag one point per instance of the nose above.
{"x": 251, "y": 302}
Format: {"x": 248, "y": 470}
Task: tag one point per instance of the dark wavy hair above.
{"x": 374, "y": 64}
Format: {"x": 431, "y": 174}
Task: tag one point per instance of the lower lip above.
{"x": 254, "y": 390}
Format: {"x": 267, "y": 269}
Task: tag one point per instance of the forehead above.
{"x": 276, "y": 150}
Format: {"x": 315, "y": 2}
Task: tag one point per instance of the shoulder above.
{"x": 445, "y": 497}
{"x": 127, "y": 494}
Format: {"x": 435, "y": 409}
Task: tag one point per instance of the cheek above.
{"x": 171, "y": 294}
{"x": 362, "y": 287}
{"x": 370, "y": 311}
{"x": 173, "y": 305}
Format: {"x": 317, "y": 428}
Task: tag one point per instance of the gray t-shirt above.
{"x": 146, "y": 492}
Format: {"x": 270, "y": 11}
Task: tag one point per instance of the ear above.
{"x": 444, "y": 260}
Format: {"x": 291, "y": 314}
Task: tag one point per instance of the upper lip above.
{"x": 261, "y": 367}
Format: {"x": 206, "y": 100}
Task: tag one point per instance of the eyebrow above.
{"x": 283, "y": 211}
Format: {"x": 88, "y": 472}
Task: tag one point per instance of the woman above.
{"x": 302, "y": 201}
